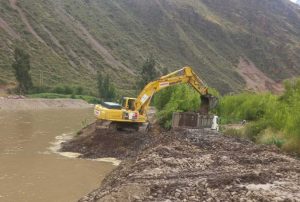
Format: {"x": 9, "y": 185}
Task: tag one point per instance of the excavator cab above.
{"x": 128, "y": 103}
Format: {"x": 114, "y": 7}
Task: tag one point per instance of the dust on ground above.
{"x": 189, "y": 165}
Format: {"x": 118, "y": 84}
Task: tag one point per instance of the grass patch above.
{"x": 233, "y": 132}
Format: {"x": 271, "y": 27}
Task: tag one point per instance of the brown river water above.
{"x": 31, "y": 170}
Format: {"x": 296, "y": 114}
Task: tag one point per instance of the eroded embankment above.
{"x": 192, "y": 165}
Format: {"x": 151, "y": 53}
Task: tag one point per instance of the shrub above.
{"x": 78, "y": 90}
{"x": 275, "y": 119}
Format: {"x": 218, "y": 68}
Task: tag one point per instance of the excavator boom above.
{"x": 184, "y": 75}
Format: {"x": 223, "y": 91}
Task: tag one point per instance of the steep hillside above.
{"x": 69, "y": 41}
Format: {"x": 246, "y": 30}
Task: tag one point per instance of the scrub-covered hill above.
{"x": 232, "y": 44}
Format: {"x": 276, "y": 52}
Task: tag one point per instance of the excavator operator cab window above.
{"x": 128, "y": 103}
{"x": 131, "y": 104}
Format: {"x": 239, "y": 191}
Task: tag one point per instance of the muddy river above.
{"x": 31, "y": 170}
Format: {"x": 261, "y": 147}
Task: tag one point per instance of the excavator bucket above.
{"x": 208, "y": 102}
{"x": 202, "y": 119}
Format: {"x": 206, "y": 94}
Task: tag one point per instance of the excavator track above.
{"x": 122, "y": 126}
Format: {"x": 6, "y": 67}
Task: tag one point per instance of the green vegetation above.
{"x": 106, "y": 89}
{"x": 272, "y": 119}
{"x": 21, "y": 67}
{"x": 178, "y": 98}
{"x": 210, "y": 36}
{"x": 244, "y": 106}
{"x": 148, "y": 73}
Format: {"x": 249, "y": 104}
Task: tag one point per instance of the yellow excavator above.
{"x": 132, "y": 112}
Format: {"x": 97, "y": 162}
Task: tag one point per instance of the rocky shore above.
{"x": 188, "y": 165}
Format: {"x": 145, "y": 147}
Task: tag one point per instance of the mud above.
{"x": 189, "y": 165}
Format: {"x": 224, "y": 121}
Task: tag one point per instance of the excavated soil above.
{"x": 188, "y": 165}
{"x": 100, "y": 143}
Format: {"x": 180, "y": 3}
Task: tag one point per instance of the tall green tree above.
{"x": 106, "y": 89}
{"x": 148, "y": 73}
{"x": 21, "y": 67}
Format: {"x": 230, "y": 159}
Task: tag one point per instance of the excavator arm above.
{"x": 184, "y": 75}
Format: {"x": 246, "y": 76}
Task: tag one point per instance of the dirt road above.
{"x": 190, "y": 165}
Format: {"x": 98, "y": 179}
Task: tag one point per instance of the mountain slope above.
{"x": 69, "y": 41}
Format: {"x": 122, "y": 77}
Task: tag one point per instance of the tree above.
{"x": 21, "y": 67}
{"x": 148, "y": 73}
{"x": 106, "y": 89}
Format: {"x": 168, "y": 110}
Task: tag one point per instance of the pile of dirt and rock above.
{"x": 92, "y": 142}
{"x": 192, "y": 165}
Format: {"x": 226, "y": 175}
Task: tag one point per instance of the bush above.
{"x": 58, "y": 89}
{"x": 274, "y": 119}
{"x": 244, "y": 106}
{"x": 78, "y": 90}
{"x": 39, "y": 89}
{"x": 67, "y": 90}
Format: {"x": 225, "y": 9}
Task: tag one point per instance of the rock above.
{"x": 210, "y": 199}
{"x": 136, "y": 197}
{"x": 85, "y": 198}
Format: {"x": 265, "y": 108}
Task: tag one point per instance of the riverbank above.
{"x": 20, "y": 103}
{"x": 189, "y": 165}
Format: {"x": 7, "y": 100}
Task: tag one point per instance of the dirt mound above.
{"x": 100, "y": 143}
{"x": 196, "y": 165}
